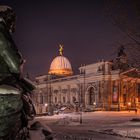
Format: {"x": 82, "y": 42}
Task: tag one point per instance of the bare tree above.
{"x": 125, "y": 14}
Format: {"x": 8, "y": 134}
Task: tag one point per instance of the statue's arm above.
{"x": 10, "y": 56}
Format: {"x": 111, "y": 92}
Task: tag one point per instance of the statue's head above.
{"x": 8, "y": 16}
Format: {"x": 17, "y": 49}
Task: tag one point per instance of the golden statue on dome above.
{"x": 61, "y": 49}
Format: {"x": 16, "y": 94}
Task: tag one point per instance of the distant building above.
{"x": 104, "y": 85}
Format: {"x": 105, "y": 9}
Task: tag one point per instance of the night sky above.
{"x": 83, "y": 27}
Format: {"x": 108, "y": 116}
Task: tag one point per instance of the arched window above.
{"x": 91, "y": 96}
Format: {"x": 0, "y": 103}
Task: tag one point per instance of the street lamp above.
{"x": 50, "y": 96}
{"x": 82, "y": 72}
{"x": 94, "y": 105}
{"x": 81, "y": 121}
{"x": 80, "y": 100}
{"x": 119, "y": 93}
{"x": 46, "y": 105}
{"x": 129, "y": 104}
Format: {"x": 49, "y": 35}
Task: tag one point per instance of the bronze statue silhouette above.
{"x": 16, "y": 107}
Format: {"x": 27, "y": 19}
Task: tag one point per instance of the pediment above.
{"x": 134, "y": 73}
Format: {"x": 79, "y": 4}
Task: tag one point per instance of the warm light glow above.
{"x": 129, "y": 103}
{"x": 61, "y": 72}
{"x": 46, "y": 104}
{"x": 94, "y": 103}
{"x": 60, "y": 66}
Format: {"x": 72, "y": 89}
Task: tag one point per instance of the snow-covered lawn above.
{"x": 108, "y": 122}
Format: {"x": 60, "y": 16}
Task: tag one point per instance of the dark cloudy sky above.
{"x": 81, "y": 26}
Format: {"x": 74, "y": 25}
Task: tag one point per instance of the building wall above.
{"x": 95, "y": 87}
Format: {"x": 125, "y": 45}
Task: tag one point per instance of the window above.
{"x": 124, "y": 99}
{"x": 41, "y": 99}
{"x": 55, "y": 99}
{"x": 115, "y": 93}
{"x": 64, "y": 90}
{"x": 64, "y": 99}
{"x": 91, "y": 96}
{"x": 73, "y": 99}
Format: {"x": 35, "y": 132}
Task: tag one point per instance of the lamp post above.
{"x": 50, "y": 96}
{"x": 82, "y": 72}
{"x": 119, "y": 93}
{"x": 129, "y": 105}
{"x": 80, "y": 100}
{"x": 81, "y": 120}
{"x": 46, "y": 105}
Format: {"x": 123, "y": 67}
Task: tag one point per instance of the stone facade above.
{"x": 97, "y": 87}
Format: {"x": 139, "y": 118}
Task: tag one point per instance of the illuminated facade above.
{"x": 103, "y": 85}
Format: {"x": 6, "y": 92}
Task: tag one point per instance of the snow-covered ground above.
{"x": 106, "y": 122}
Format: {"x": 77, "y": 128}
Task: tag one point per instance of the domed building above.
{"x": 60, "y": 65}
{"x": 97, "y": 86}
